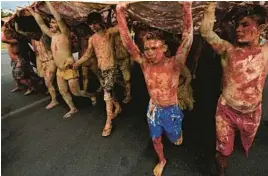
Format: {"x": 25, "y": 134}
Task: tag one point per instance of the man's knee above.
{"x": 157, "y": 140}
{"x": 108, "y": 95}
{"x": 75, "y": 92}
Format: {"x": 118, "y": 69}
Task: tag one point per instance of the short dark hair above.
{"x": 154, "y": 35}
{"x": 255, "y": 12}
{"x": 94, "y": 17}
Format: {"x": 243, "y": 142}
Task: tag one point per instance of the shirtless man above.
{"x": 124, "y": 65}
{"x": 90, "y": 64}
{"x": 22, "y": 71}
{"x": 102, "y": 45}
{"x": 46, "y": 66}
{"x": 61, "y": 52}
{"x": 245, "y": 66}
{"x": 162, "y": 80}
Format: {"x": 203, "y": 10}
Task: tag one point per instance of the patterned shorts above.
{"x": 24, "y": 71}
{"x": 165, "y": 119}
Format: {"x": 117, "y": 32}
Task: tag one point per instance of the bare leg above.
{"x": 222, "y": 162}
{"x": 118, "y": 108}
{"x": 63, "y": 88}
{"x": 180, "y": 140}
{"x": 126, "y": 76}
{"x": 29, "y": 84}
{"x": 128, "y": 95}
{"x": 158, "y": 147}
{"x": 85, "y": 78}
{"x": 75, "y": 89}
{"x": 108, "y": 125}
{"x": 17, "y": 88}
{"x": 49, "y": 77}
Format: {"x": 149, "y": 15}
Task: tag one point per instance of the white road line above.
{"x": 25, "y": 107}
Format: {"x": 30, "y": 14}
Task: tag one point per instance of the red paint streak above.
{"x": 250, "y": 70}
{"x": 252, "y": 83}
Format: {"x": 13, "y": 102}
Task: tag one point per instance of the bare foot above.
{"x": 118, "y": 109}
{"x": 158, "y": 169}
{"x": 28, "y": 92}
{"x": 127, "y": 99}
{"x": 15, "y": 90}
{"x": 180, "y": 140}
{"x": 70, "y": 113}
{"x": 107, "y": 129}
{"x": 52, "y": 104}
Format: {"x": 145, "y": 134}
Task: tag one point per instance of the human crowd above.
{"x": 106, "y": 52}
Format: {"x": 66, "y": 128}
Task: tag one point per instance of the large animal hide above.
{"x": 164, "y": 15}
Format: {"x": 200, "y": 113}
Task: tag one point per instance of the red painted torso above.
{"x": 162, "y": 81}
{"x": 103, "y": 48}
{"x": 244, "y": 73}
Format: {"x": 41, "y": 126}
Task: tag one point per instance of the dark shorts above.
{"x": 107, "y": 80}
{"x": 165, "y": 119}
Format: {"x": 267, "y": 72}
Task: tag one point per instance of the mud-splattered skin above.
{"x": 161, "y": 73}
{"x": 61, "y": 38}
{"x": 40, "y": 51}
{"x": 61, "y": 49}
{"x": 245, "y": 64}
{"x": 102, "y": 44}
{"x": 244, "y": 73}
{"x": 13, "y": 45}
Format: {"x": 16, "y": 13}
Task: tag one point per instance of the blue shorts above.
{"x": 167, "y": 119}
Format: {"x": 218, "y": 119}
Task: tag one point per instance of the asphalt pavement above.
{"x": 39, "y": 142}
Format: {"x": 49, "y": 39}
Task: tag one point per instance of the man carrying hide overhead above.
{"x": 46, "y": 66}
{"x": 61, "y": 51}
{"x": 22, "y": 70}
{"x": 162, "y": 79}
{"x": 245, "y": 67}
{"x": 101, "y": 42}
{"x": 90, "y": 64}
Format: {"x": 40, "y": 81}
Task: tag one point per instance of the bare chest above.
{"x": 101, "y": 42}
{"x": 246, "y": 65}
{"x": 58, "y": 42}
{"x": 163, "y": 77}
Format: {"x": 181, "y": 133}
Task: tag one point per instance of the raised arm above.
{"x": 63, "y": 27}
{"x": 40, "y": 22}
{"x": 125, "y": 35}
{"x": 187, "y": 34}
{"x": 206, "y": 30}
{"x": 26, "y": 34}
{"x": 86, "y": 56}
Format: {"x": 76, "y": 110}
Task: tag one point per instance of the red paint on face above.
{"x": 247, "y": 31}
{"x": 53, "y": 25}
{"x": 95, "y": 27}
{"x": 154, "y": 51}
